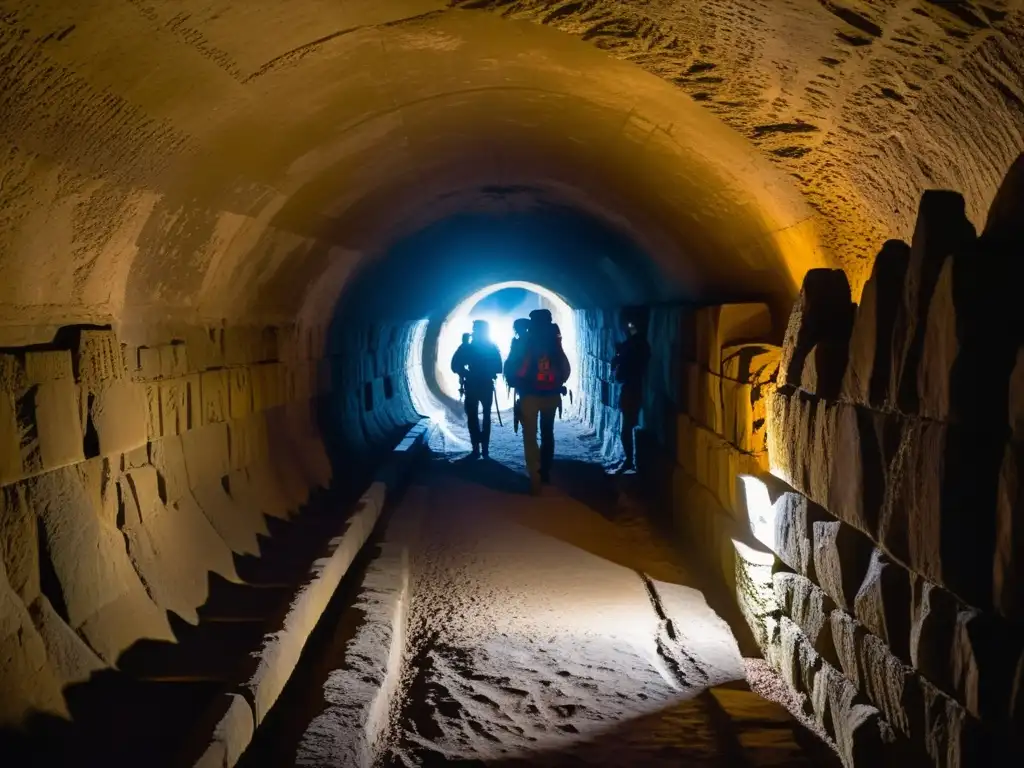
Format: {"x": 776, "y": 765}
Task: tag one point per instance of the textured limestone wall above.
{"x": 132, "y": 472}
{"x": 863, "y": 103}
{"x": 896, "y": 424}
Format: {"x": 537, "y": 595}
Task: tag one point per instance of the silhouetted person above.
{"x": 539, "y": 373}
{"x": 462, "y": 353}
{"x": 478, "y": 364}
{"x": 629, "y": 367}
{"x": 521, "y": 327}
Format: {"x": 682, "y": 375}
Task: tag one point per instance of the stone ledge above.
{"x": 360, "y": 691}
{"x": 242, "y": 710}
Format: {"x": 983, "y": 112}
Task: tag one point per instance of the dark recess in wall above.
{"x": 49, "y": 584}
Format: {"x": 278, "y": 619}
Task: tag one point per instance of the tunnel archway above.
{"x": 459, "y": 320}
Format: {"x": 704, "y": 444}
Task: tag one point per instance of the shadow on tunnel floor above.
{"x": 584, "y": 481}
{"x": 694, "y": 732}
{"x": 577, "y": 469}
{"x": 588, "y": 483}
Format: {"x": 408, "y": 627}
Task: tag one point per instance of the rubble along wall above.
{"x": 897, "y": 425}
{"x": 129, "y": 473}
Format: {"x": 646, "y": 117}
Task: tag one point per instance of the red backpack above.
{"x": 540, "y": 370}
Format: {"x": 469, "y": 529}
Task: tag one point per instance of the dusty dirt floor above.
{"x": 548, "y": 631}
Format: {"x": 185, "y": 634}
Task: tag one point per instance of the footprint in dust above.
{"x": 566, "y": 710}
{"x": 516, "y": 692}
{"x": 563, "y": 673}
{"x": 568, "y": 728}
{"x": 532, "y": 710}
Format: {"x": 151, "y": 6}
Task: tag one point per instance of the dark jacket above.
{"x": 521, "y": 363}
{"x": 515, "y": 354}
{"x": 478, "y": 362}
{"x": 630, "y": 361}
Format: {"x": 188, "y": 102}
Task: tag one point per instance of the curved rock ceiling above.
{"x": 224, "y": 160}
{"x": 865, "y": 103}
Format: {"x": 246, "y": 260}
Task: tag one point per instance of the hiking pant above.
{"x": 538, "y": 462}
{"x": 630, "y": 400}
{"x": 477, "y": 395}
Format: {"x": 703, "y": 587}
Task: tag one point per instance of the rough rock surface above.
{"x": 829, "y": 103}
{"x": 870, "y": 361}
{"x": 815, "y": 348}
{"x": 795, "y": 516}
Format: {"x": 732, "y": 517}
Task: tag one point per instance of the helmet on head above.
{"x": 521, "y": 325}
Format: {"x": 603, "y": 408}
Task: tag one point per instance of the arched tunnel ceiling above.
{"x": 229, "y": 160}
{"x": 865, "y": 103}
{"x": 580, "y": 256}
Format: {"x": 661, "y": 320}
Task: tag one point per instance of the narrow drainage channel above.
{"x": 276, "y": 741}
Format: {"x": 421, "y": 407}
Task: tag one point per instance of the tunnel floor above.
{"x": 559, "y": 630}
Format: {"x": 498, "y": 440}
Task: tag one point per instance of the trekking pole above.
{"x": 494, "y": 389}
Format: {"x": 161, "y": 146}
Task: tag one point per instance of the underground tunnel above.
{"x": 238, "y": 242}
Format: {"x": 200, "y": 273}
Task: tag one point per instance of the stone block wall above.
{"x": 597, "y": 333}
{"x": 130, "y": 472}
{"x": 897, "y": 427}
{"x": 372, "y": 400}
{"x": 704, "y": 415}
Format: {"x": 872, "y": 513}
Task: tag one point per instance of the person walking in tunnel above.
{"x": 629, "y": 367}
{"x": 539, "y": 372}
{"x": 478, "y": 365}
{"x": 520, "y": 328}
{"x": 461, "y": 353}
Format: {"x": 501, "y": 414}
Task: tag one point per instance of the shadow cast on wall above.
{"x": 145, "y": 711}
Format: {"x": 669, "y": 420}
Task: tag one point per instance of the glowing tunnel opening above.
{"x": 460, "y": 321}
